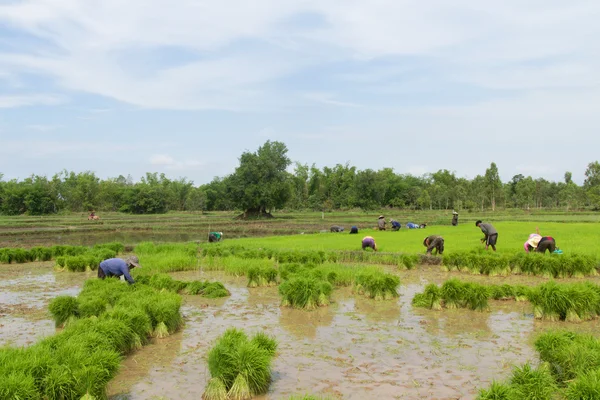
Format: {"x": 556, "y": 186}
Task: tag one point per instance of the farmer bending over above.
{"x": 539, "y": 243}
{"x": 117, "y": 267}
{"x": 354, "y": 229}
{"x": 368, "y": 241}
{"x": 491, "y": 234}
{"x": 215, "y": 236}
{"x": 434, "y": 242}
{"x": 395, "y": 224}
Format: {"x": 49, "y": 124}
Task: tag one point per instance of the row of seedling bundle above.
{"x": 549, "y": 266}
{"x": 10, "y": 255}
{"x": 570, "y": 369}
{"x": 572, "y": 302}
{"x": 106, "y": 321}
{"x": 407, "y": 261}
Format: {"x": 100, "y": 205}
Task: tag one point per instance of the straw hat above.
{"x": 381, "y": 216}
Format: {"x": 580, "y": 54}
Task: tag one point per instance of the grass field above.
{"x": 75, "y": 229}
{"x": 571, "y": 238}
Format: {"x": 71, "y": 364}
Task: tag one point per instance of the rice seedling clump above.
{"x": 240, "y": 367}
{"x": 377, "y": 285}
{"x": 305, "y": 291}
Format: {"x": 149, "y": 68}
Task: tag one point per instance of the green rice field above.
{"x": 285, "y": 309}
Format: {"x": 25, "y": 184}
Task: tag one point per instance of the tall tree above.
{"x": 261, "y": 182}
{"x": 592, "y": 184}
{"x": 493, "y": 185}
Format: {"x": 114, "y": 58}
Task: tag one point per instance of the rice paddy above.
{"x": 313, "y": 316}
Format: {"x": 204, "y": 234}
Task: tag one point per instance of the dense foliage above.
{"x": 262, "y": 182}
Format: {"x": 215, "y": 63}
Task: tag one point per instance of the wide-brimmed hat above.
{"x": 381, "y": 216}
{"x": 133, "y": 260}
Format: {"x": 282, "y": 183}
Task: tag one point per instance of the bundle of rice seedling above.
{"x": 62, "y": 308}
{"x": 240, "y": 368}
{"x": 115, "y": 247}
{"x": 476, "y": 296}
{"x": 166, "y": 282}
{"x": 452, "y": 293}
{"x": 75, "y": 263}
{"x": 377, "y": 285}
{"x": 92, "y": 306}
{"x": 18, "y": 385}
{"x": 215, "y": 290}
{"x": 262, "y": 276}
{"x": 40, "y": 253}
{"x": 498, "y": 391}
{"x": 585, "y": 387}
{"x": 522, "y": 292}
{"x": 502, "y": 292}
{"x": 164, "y": 314}
{"x": 265, "y": 342}
{"x": 533, "y": 384}
{"x": 569, "y": 354}
{"x": 305, "y": 292}
{"x": 408, "y": 261}
{"x": 135, "y": 318}
{"x": 430, "y": 298}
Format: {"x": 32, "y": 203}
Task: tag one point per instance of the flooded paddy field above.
{"x": 356, "y": 348}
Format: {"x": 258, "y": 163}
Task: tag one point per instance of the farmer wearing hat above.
{"x": 395, "y": 224}
{"x": 117, "y": 267}
{"x": 539, "y": 243}
{"x": 454, "y": 218}
{"x": 381, "y": 223}
{"x": 491, "y": 234}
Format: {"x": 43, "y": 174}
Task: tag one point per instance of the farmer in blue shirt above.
{"x": 395, "y": 224}
{"x": 117, "y": 267}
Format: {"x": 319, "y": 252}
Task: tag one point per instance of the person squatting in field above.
{"x": 354, "y": 229}
{"x": 368, "y": 241}
{"x": 539, "y": 243}
{"x": 434, "y": 242}
{"x": 381, "y": 223}
{"x": 491, "y": 234}
{"x": 395, "y": 224}
{"x": 336, "y": 228}
{"x": 118, "y": 267}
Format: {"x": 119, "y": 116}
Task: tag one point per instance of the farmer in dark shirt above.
{"x": 491, "y": 234}
{"x": 395, "y": 224}
{"x": 354, "y": 229}
{"x": 434, "y": 242}
{"x": 454, "y": 218}
{"x": 215, "y": 236}
{"x": 117, "y": 267}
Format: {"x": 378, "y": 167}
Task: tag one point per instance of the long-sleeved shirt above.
{"x": 116, "y": 267}
{"x": 395, "y": 224}
{"x": 487, "y": 229}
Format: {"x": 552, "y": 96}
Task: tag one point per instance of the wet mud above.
{"x": 356, "y": 348}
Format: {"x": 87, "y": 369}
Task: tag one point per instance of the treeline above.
{"x": 262, "y": 182}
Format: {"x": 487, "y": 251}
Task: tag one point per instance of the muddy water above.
{"x": 25, "y": 291}
{"x": 354, "y": 349}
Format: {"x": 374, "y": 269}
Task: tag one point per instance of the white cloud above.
{"x": 328, "y": 98}
{"x": 162, "y": 159}
{"x": 29, "y": 100}
{"x": 171, "y": 163}
{"x": 219, "y": 59}
{"x": 43, "y": 128}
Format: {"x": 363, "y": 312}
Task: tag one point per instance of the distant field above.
{"x": 571, "y": 229}
{"x": 571, "y": 238}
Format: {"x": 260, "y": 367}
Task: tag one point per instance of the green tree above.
{"x": 592, "y": 184}
{"x": 261, "y": 182}
{"x": 424, "y": 200}
{"x": 493, "y": 185}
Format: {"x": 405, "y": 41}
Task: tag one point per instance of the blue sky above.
{"x": 185, "y": 86}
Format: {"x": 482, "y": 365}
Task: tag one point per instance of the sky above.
{"x": 184, "y": 87}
